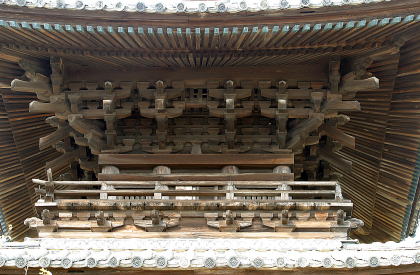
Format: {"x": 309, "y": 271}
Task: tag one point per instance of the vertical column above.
{"x": 112, "y": 170}
{"x": 230, "y": 169}
{"x": 161, "y": 170}
{"x": 49, "y": 187}
{"x": 283, "y": 186}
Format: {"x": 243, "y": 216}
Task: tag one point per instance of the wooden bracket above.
{"x": 229, "y": 222}
{"x": 280, "y": 225}
{"x": 157, "y": 223}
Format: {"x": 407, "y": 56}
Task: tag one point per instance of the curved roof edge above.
{"x": 173, "y": 253}
{"x": 184, "y": 6}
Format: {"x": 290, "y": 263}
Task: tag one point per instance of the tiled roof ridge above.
{"x": 180, "y": 6}
{"x": 206, "y": 253}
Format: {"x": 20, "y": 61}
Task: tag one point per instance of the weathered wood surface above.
{"x": 242, "y": 192}
{"x": 163, "y": 205}
{"x": 386, "y": 149}
{"x": 284, "y": 49}
{"x": 352, "y": 12}
{"x": 206, "y": 160}
{"x": 142, "y": 235}
{"x": 259, "y": 184}
{"x": 21, "y": 160}
{"x": 194, "y": 205}
{"x": 197, "y": 176}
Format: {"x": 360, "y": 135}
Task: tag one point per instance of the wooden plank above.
{"x": 195, "y": 205}
{"x": 197, "y": 176}
{"x": 145, "y": 192}
{"x": 337, "y": 134}
{"x": 192, "y": 235}
{"x": 187, "y": 160}
{"x": 188, "y": 183}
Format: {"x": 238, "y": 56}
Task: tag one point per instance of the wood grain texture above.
{"x": 188, "y": 160}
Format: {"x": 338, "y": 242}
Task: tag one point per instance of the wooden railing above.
{"x": 242, "y": 190}
{"x": 227, "y": 201}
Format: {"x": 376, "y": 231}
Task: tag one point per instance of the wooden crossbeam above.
{"x": 204, "y": 160}
{"x": 260, "y": 184}
{"x": 194, "y": 205}
{"x": 197, "y": 176}
{"x": 240, "y": 192}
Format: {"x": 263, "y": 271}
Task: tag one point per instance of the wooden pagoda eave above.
{"x": 266, "y": 38}
{"x": 299, "y": 16}
{"x": 228, "y": 46}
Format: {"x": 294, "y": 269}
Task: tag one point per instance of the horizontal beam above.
{"x": 197, "y": 177}
{"x": 195, "y": 205}
{"x": 149, "y": 192}
{"x": 203, "y": 235}
{"x": 189, "y": 160}
{"x": 188, "y": 183}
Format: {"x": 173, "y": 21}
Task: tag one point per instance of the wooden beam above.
{"x": 192, "y": 235}
{"x": 338, "y": 135}
{"x": 148, "y": 192}
{"x": 187, "y": 160}
{"x": 327, "y": 155}
{"x": 350, "y": 84}
{"x": 197, "y": 205}
{"x": 198, "y": 176}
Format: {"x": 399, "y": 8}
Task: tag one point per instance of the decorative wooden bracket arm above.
{"x": 90, "y": 130}
{"x": 32, "y": 222}
{"x": 57, "y": 105}
{"x": 350, "y": 83}
{"x": 101, "y": 224}
{"x": 280, "y": 113}
{"x": 156, "y": 223}
{"x": 57, "y": 68}
{"x": 327, "y": 154}
{"x": 40, "y": 88}
{"x": 229, "y": 223}
{"x": 355, "y": 223}
{"x": 280, "y": 225}
{"x": 51, "y": 139}
{"x": 334, "y": 75}
{"x": 339, "y": 135}
{"x": 45, "y": 224}
{"x": 40, "y": 226}
{"x": 161, "y": 113}
{"x": 299, "y": 133}
{"x": 38, "y": 83}
{"x": 342, "y": 224}
{"x": 230, "y": 112}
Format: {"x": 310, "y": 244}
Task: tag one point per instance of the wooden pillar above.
{"x": 110, "y": 170}
{"x": 283, "y": 186}
{"x": 49, "y": 187}
{"x": 230, "y": 169}
{"x": 161, "y": 170}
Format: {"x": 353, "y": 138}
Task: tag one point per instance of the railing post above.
{"x": 161, "y": 170}
{"x": 338, "y": 194}
{"x": 49, "y": 187}
{"x": 230, "y": 169}
{"x": 108, "y": 170}
{"x": 285, "y": 195}
{"x": 283, "y": 186}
